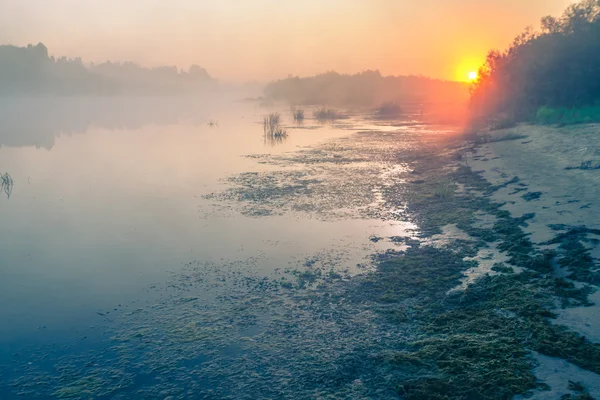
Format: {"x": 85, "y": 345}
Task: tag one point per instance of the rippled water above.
{"x": 114, "y": 197}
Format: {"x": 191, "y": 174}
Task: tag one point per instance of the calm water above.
{"x": 108, "y": 201}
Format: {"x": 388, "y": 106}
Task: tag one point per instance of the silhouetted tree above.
{"x": 557, "y": 67}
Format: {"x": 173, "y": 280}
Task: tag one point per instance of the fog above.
{"x": 39, "y": 121}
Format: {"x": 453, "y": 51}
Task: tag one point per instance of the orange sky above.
{"x": 242, "y": 40}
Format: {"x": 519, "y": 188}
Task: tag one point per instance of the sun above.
{"x": 472, "y": 75}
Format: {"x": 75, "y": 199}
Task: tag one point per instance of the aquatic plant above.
{"x": 388, "y": 110}
{"x": 6, "y": 183}
{"x": 271, "y": 122}
{"x": 298, "y": 115}
{"x": 326, "y": 114}
{"x": 273, "y": 131}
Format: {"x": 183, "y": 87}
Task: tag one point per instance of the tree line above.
{"x": 367, "y": 88}
{"x": 32, "y": 71}
{"x": 550, "y": 75}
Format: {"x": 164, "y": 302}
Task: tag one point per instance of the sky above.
{"x": 260, "y": 40}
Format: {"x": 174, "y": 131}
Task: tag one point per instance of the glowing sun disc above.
{"x": 472, "y": 75}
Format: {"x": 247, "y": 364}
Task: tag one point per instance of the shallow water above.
{"x": 112, "y": 197}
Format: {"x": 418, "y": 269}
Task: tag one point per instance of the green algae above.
{"x": 530, "y": 196}
{"x": 477, "y": 344}
{"x": 574, "y": 256}
{"x": 503, "y": 268}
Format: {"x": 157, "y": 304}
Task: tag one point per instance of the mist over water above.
{"x": 108, "y": 200}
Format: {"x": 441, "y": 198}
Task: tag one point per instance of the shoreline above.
{"x": 561, "y": 186}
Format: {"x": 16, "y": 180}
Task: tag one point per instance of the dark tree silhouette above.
{"x": 557, "y": 68}
{"x": 31, "y": 71}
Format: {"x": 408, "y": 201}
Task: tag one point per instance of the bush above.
{"x": 567, "y": 116}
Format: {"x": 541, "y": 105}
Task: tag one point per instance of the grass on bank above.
{"x": 567, "y": 116}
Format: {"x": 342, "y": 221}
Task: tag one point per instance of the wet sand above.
{"x": 558, "y": 166}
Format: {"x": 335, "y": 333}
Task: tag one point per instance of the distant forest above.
{"x": 550, "y": 76}
{"x": 365, "y": 89}
{"x": 31, "y": 71}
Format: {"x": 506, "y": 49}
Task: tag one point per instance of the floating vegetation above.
{"x": 273, "y": 131}
{"x": 322, "y": 191}
{"x": 6, "y": 183}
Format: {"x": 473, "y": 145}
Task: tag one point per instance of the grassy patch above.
{"x": 326, "y": 115}
{"x": 567, "y": 116}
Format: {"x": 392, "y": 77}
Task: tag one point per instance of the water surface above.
{"x": 109, "y": 200}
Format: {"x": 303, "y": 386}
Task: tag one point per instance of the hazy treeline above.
{"x": 39, "y": 120}
{"x": 364, "y": 89}
{"x": 550, "y": 76}
{"x": 31, "y": 71}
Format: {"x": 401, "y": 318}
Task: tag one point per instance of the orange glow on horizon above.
{"x": 466, "y": 71}
{"x": 334, "y": 35}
